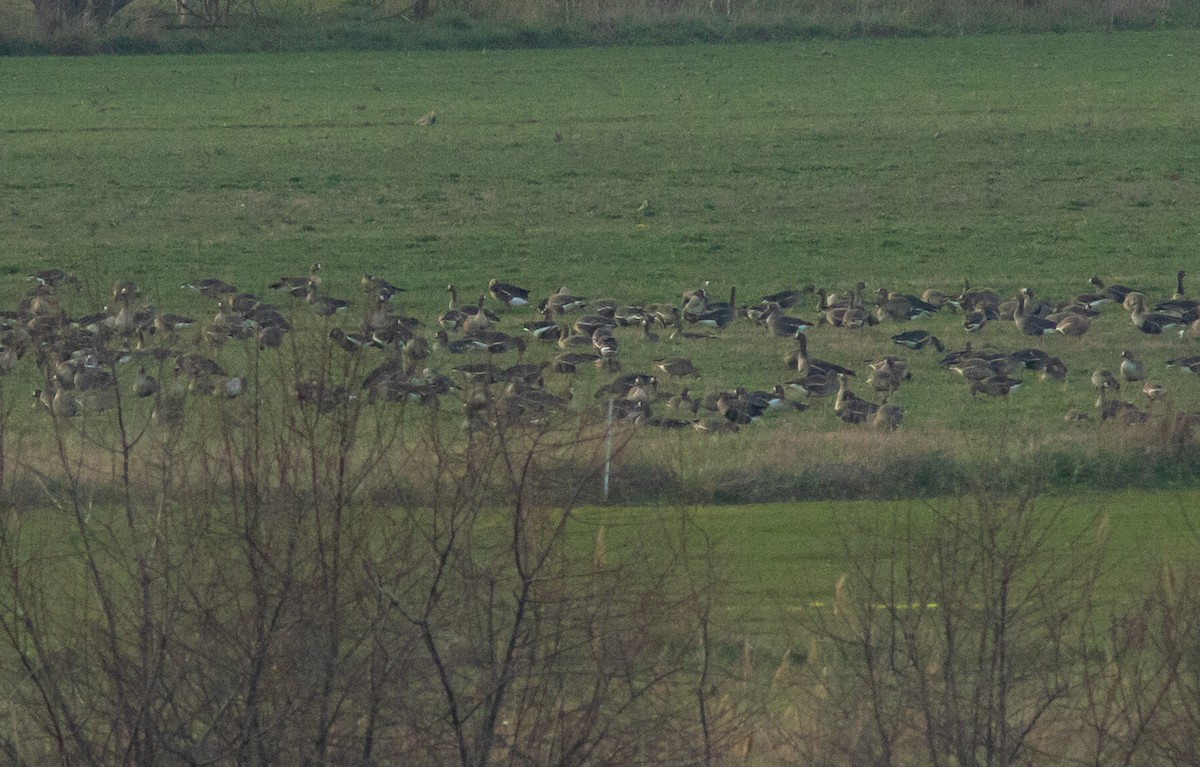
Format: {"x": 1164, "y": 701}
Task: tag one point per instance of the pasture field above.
{"x": 636, "y": 174}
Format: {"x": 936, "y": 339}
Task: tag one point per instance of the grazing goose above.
{"x": 677, "y": 367}
{"x": 715, "y": 315}
{"x": 52, "y": 278}
{"x": 507, "y": 293}
{"x": 995, "y": 386}
{"x": 917, "y": 339}
{"x": 976, "y": 318}
{"x": 736, "y": 410}
{"x": 545, "y": 330}
{"x": 1030, "y": 324}
{"x": 1132, "y": 368}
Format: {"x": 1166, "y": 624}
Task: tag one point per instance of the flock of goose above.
{"x": 469, "y": 357}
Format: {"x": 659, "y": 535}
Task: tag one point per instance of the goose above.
{"x": 1186, "y": 364}
{"x": 1151, "y": 322}
{"x": 562, "y": 301}
{"x": 325, "y": 306}
{"x": 1032, "y": 359}
{"x": 125, "y": 292}
{"x": 52, "y": 278}
{"x": 590, "y": 323}
{"x": 1031, "y": 324}
{"x": 1116, "y": 292}
{"x": 850, "y": 407}
{"x": 786, "y": 299}
{"x": 144, "y": 385}
{"x": 628, "y": 316}
{"x": 888, "y": 417}
{"x": 378, "y": 289}
{"x": 312, "y": 279}
{"x": 479, "y": 319}
{"x": 677, "y": 367}
{"x": 1104, "y": 379}
{"x": 1179, "y": 302}
{"x": 1052, "y": 369}
{"x": 567, "y": 362}
{"x": 1153, "y": 391}
{"x": 782, "y": 325}
{"x": 917, "y": 339}
{"x": 683, "y": 401}
{"x": 544, "y": 330}
{"x": 975, "y": 319}
{"x": 736, "y": 410}
{"x": 507, "y": 293}
{"x": 815, "y": 384}
{"x": 1132, "y": 368}
{"x": 978, "y": 297}
{"x": 604, "y": 341}
{"x": 1071, "y": 324}
{"x": 884, "y": 379}
{"x": 716, "y": 315}
{"x": 211, "y": 287}
{"x": 1179, "y": 294}
{"x": 995, "y": 386}
{"x": 805, "y": 364}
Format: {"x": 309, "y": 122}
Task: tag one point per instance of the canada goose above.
{"x": 311, "y": 280}
{"x": 1030, "y": 324}
{"x": 1151, "y": 322}
{"x": 805, "y": 364}
{"x": 917, "y": 339}
{"x": 1179, "y": 294}
{"x": 888, "y": 417}
{"x": 850, "y": 407}
{"x": 1132, "y": 368}
{"x": 677, "y": 367}
{"x": 507, "y": 293}
{"x": 211, "y": 287}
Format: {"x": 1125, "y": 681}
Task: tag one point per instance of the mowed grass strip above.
{"x": 776, "y": 559}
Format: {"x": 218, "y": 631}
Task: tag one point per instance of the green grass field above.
{"x": 636, "y": 174}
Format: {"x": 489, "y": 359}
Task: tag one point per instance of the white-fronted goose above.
{"x": 677, "y": 367}
{"x": 917, "y": 339}
{"x": 850, "y": 407}
{"x": 1116, "y": 292}
{"x": 1132, "y": 368}
{"x": 805, "y": 364}
{"x": 1186, "y": 364}
{"x": 1149, "y": 322}
{"x": 1027, "y": 323}
{"x": 1153, "y": 391}
{"x": 211, "y": 287}
{"x": 888, "y": 417}
{"x": 507, "y": 293}
{"x": 313, "y": 279}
